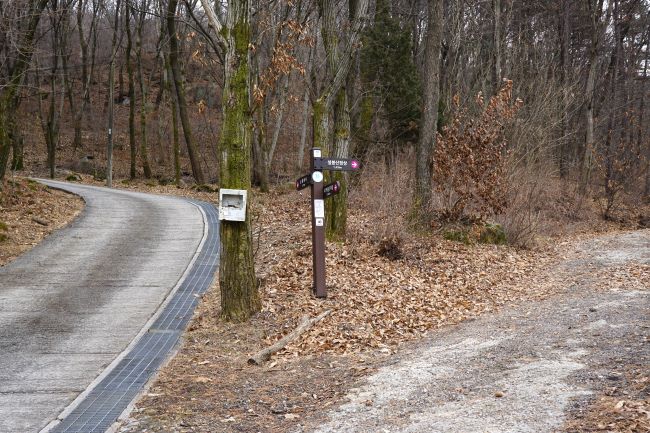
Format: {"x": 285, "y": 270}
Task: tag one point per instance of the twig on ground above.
{"x": 40, "y": 221}
{"x": 305, "y": 325}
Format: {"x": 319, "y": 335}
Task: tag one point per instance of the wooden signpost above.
{"x": 319, "y": 193}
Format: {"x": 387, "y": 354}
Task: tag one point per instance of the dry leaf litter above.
{"x": 29, "y": 211}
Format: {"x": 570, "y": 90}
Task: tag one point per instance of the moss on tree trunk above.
{"x": 336, "y": 216}
{"x": 239, "y": 295}
{"x": 9, "y": 91}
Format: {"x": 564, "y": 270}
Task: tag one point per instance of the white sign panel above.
{"x": 319, "y": 222}
{"x": 319, "y": 209}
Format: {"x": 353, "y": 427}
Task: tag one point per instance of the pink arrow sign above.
{"x": 354, "y": 164}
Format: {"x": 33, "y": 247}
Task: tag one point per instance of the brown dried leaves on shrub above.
{"x": 470, "y": 158}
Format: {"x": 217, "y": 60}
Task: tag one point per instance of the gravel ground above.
{"x": 525, "y": 369}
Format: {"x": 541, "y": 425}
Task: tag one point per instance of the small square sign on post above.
{"x": 232, "y": 204}
{"x": 319, "y": 193}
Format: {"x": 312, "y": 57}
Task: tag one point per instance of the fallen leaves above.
{"x": 31, "y": 211}
{"x": 376, "y": 302}
{"x": 611, "y": 413}
{"x": 202, "y": 379}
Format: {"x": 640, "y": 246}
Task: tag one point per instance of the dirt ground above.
{"x": 30, "y": 211}
{"x": 575, "y": 362}
{"x": 382, "y": 309}
{"x": 378, "y": 306}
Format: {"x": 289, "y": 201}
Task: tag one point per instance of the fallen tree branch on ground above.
{"x": 305, "y": 325}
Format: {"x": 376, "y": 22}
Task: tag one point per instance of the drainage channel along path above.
{"x": 92, "y": 312}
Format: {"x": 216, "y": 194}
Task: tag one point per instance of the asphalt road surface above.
{"x": 72, "y": 304}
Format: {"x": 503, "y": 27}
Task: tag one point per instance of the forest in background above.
{"x": 459, "y": 110}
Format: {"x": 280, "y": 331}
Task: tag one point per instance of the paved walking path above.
{"x": 72, "y": 305}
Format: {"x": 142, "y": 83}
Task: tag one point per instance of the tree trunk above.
{"x": 144, "y": 158}
{"x": 496, "y": 40}
{"x": 305, "y": 112}
{"x": 86, "y": 69}
{"x": 430, "y": 101}
{"x": 176, "y": 145}
{"x": 173, "y": 105}
{"x": 334, "y": 96}
{"x": 239, "y": 295}
{"x": 18, "y": 151}
{"x": 58, "y": 20}
{"x": 565, "y": 35}
{"x": 611, "y": 186}
{"x": 588, "y": 153}
{"x": 278, "y": 126}
{"x": 641, "y": 126}
{"x": 52, "y": 124}
{"x": 336, "y": 213}
{"x": 257, "y": 143}
{"x": 180, "y": 92}
{"x": 268, "y": 144}
{"x": 111, "y": 98}
{"x": 93, "y": 52}
{"x": 9, "y": 92}
{"x": 131, "y": 83}
{"x": 83, "y": 43}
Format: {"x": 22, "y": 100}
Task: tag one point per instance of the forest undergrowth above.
{"x": 392, "y": 282}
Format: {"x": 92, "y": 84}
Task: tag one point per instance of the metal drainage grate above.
{"x": 104, "y": 404}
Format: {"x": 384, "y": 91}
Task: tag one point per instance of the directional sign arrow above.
{"x": 340, "y": 164}
{"x": 331, "y": 189}
{"x": 303, "y": 182}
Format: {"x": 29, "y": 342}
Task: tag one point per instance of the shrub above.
{"x": 470, "y": 158}
{"x": 493, "y": 234}
{"x": 622, "y": 167}
{"x": 490, "y": 233}
{"x": 461, "y": 236}
{"x": 386, "y": 194}
{"x": 73, "y": 177}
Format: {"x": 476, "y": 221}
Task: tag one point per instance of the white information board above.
{"x": 319, "y": 208}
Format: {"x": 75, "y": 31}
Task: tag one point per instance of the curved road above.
{"x": 71, "y": 305}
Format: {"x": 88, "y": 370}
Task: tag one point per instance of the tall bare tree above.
{"x": 237, "y": 282}
{"x": 111, "y": 99}
{"x": 130, "y": 73}
{"x": 179, "y": 87}
{"x": 141, "y": 15}
{"x": 430, "y": 101}
{"x": 20, "y": 41}
{"x": 597, "y": 22}
{"x": 339, "y": 54}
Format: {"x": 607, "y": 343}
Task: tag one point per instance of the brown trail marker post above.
{"x": 318, "y": 195}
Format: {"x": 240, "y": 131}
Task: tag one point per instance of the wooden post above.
{"x": 318, "y": 227}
